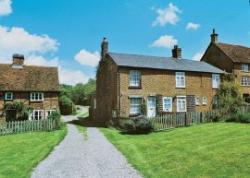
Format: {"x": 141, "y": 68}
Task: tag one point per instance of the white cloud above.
{"x": 5, "y": 7}
{"x": 72, "y": 77}
{"x": 165, "y": 41}
{"x": 41, "y": 61}
{"x": 169, "y": 15}
{"x": 197, "y": 56}
{"x": 17, "y": 40}
{"x": 192, "y": 26}
{"x": 87, "y": 58}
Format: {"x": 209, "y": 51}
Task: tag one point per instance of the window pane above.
{"x": 135, "y": 105}
{"x": 134, "y": 78}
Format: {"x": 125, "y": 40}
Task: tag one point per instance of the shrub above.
{"x": 57, "y": 117}
{"x": 66, "y": 105}
{"x": 138, "y": 125}
{"x": 239, "y": 117}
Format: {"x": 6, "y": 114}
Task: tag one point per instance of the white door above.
{"x": 151, "y": 106}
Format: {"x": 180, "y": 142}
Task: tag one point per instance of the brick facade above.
{"x": 113, "y": 92}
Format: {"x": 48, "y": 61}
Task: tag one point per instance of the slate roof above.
{"x": 29, "y": 78}
{"x": 165, "y": 63}
{"x": 236, "y": 53}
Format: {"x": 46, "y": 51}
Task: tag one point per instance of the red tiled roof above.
{"x": 237, "y": 53}
{"x": 28, "y": 78}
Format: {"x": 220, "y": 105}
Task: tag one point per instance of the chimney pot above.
{"x": 104, "y": 47}
{"x": 214, "y": 37}
{"x": 176, "y": 52}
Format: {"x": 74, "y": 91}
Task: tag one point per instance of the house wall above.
{"x": 238, "y": 74}
{"x": 50, "y": 101}
{"x": 106, "y": 91}
{"x": 217, "y": 58}
{"x": 162, "y": 82}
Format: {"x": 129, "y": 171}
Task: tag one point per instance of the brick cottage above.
{"x": 126, "y": 82}
{"x": 35, "y": 86}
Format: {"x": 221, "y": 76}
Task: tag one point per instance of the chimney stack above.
{"x": 176, "y": 52}
{"x": 104, "y": 47}
{"x": 18, "y": 60}
{"x": 214, "y": 37}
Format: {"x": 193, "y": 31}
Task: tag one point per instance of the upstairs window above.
{"x": 167, "y": 104}
{"x": 180, "y": 79}
{"x": 134, "y": 78}
{"x": 244, "y": 67}
{"x": 245, "y": 81}
{"x": 8, "y": 96}
{"x": 36, "y": 96}
{"x": 215, "y": 80}
{"x": 135, "y": 106}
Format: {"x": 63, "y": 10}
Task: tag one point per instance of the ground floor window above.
{"x": 135, "y": 106}
{"x": 167, "y": 104}
{"x": 37, "y": 115}
{"x": 181, "y": 104}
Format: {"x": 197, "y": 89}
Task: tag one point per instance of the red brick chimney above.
{"x": 176, "y": 52}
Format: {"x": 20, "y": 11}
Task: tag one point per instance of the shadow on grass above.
{"x": 86, "y": 122}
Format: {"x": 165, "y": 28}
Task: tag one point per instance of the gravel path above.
{"x": 76, "y": 157}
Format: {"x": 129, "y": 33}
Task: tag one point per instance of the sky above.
{"x": 68, "y": 33}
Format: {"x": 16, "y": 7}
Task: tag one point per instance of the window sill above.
{"x": 8, "y": 99}
{"x": 181, "y": 87}
{"x": 36, "y": 101}
{"x": 134, "y": 115}
{"x": 134, "y": 87}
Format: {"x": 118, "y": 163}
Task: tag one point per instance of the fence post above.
{"x": 185, "y": 118}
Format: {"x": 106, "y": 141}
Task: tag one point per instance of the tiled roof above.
{"x": 237, "y": 53}
{"x": 28, "y": 78}
{"x": 167, "y": 63}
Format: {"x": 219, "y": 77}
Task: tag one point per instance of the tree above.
{"x": 229, "y": 96}
{"x": 78, "y": 94}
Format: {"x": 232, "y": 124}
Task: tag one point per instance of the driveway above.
{"x": 76, "y": 157}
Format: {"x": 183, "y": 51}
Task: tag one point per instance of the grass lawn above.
{"x": 208, "y": 150}
{"x": 21, "y": 152}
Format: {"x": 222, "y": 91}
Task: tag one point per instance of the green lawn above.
{"x": 208, "y": 150}
{"x": 21, "y": 152}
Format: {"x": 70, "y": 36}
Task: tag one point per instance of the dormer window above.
{"x": 8, "y": 96}
{"x": 244, "y": 67}
{"x": 36, "y": 96}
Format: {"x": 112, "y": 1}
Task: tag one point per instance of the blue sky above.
{"x": 68, "y": 33}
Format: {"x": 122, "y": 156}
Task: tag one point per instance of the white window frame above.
{"x": 48, "y": 112}
{"x": 40, "y": 114}
{"x": 197, "y": 101}
{"x": 215, "y": 80}
{"x": 6, "y": 96}
{"x": 131, "y": 112}
{"x": 177, "y": 106}
{"x": 171, "y": 104}
{"x": 94, "y": 101}
{"x": 180, "y": 79}
{"x": 36, "y": 96}
{"x": 244, "y": 68}
{"x": 245, "y": 81}
{"x": 135, "y": 78}
{"x": 204, "y": 100}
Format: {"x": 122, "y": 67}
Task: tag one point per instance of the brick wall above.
{"x": 50, "y": 101}
{"x": 161, "y": 82}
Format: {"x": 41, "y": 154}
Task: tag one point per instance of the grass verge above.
{"x": 20, "y": 153}
{"x": 208, "y": 150}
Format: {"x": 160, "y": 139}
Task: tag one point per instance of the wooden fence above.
{"x": 28, "y": 126}
{"x": 181, "y": 119}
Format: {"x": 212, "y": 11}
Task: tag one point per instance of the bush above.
{"x": 57, "y": 117}
{"x": 239, "y": 117}
{"x": 66, "y": 105}
{"x": 138, "y": 125}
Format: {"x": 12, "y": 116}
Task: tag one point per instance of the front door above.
{"x": 151, "y": 106}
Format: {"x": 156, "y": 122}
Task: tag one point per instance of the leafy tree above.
{"x": 230, "y": 98}
{"x": 78, "y": 94}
